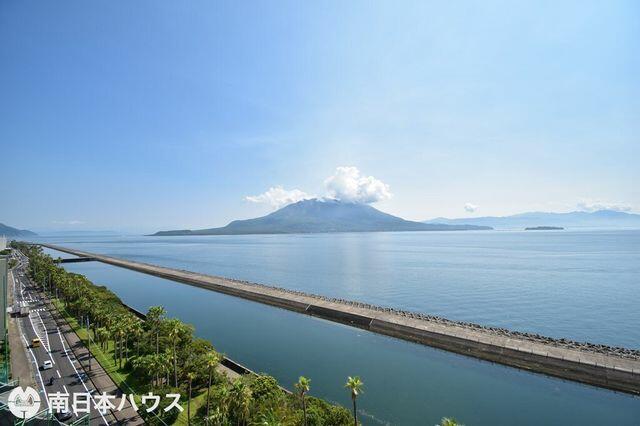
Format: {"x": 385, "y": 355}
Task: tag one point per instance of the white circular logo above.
{"x": 25, "y": 403}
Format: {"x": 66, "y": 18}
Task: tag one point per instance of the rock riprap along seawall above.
{"x": 599, "y": 365}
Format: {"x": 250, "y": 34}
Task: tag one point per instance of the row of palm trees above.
{"x": 150, "y": 345}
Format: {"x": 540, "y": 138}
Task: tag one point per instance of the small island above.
{"x": 544, "y": 228}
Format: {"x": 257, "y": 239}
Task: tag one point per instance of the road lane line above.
{"x": 44, "y": 390}
{"x": 84, "y": 385}
{"x": 59, "y": 375}
{"x": 47, "y": 350}
{"x": 44, "y": 329}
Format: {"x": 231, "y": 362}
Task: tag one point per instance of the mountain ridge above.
{"x": 321, "y": 216}
{"x": 575, "y": 219}
{"x": 9, "y": 231}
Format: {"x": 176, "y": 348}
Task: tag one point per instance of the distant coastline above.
{"x": 544, "y": 228}
{"x": 577, "y": 219}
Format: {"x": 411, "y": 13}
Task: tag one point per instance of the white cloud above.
{"x": 277, "y": 197}
{"x": 594, "y": 205}
{"x": 346, "y": 184}
{"x": 67, "y": 222}
{"x": 470, "y": 207}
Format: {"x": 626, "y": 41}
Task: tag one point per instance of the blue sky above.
{"x": 157, "y": 114}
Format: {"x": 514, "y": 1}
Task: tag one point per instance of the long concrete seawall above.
{"x": 598, "y": 365}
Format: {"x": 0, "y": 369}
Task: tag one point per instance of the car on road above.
{"x": 47, "y": 365}
{"x": 82, "y": 377}
{"x": 35, "y": 343}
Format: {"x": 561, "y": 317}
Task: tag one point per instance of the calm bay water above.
{"x": 581, "y": 285}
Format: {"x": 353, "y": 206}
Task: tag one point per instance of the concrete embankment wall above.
{"x": 596, "y": 369}
{"x": 75, "y": 260}
{"x": 597, "y": 375}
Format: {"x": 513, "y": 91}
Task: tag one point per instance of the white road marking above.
{"x": 46, "y": 335}
{"x": 60, "y": 376}
{"x": 78, "y": 375}
{"x": 44, "y": 390}
{"x": 42, "y": 340}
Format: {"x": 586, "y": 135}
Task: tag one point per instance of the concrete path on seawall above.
{"x": 598, "y": 365}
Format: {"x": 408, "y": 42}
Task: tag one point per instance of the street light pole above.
{"x": 89, "y": 339}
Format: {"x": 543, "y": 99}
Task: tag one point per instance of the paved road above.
{"x": 40, "y": 323}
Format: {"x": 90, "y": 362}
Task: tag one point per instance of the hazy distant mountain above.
{"x": 597, "y": 219}
{"x": 74, "y": 233}
{"x": 8, "y": 231}
{"x": 311, "y": 216}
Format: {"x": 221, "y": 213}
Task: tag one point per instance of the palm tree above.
{"x": 154, "y": 317}
{"x": 127, "y": 323}
{"x": 99, "y": 316}
{"x": 174, "y": 334}
{"x": 215, "y": 419}
{"x": 102, "y": 335}
{"x": 212, "y": 359}
{"x": 224, "y": 402}
{"x": 162, "y": 363}
{"x": 270, "y": 418}
{"x": 448, "y": 421}
{"x": 303, "y": 387}
{"x": 240, "y": 396}
{"x": 114, "y": 331}
{"x": 355, "y": 385}
{"x": 190, "y": 376}
{"x": 136, "y": 331}
{"x": 121, "y": 332}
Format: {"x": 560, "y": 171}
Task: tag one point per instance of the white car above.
{"x": 47, "y": 365}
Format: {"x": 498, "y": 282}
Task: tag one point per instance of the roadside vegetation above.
{"x": 162, "y": 355}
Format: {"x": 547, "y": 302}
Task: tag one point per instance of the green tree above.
{"x": 240, "y": 397}
{"x": 270, "y": 418}
{"x": 212, "y": 359}
{"x": 136, "y": 331}
{"x": 355, "y": 385}
{"x": 448, "y": 421}
{"x": 175, "y": 330}
{"x": 155, "y": 316}
{"x": 163, "y": 367}
{"x": 223, "y": 398}
{"x": 303, "y": 387}
{"x": 190, "y": 377}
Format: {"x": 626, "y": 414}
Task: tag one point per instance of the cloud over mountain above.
{"x": 593, "y": 205}
{"x": 277, "y": 197}
{"x": 347, "y": 184}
